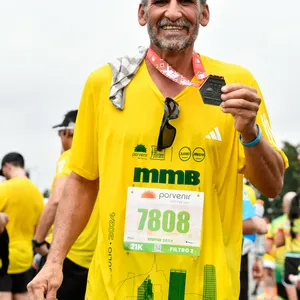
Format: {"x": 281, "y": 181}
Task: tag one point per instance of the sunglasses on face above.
{"x": 167, "y": 132}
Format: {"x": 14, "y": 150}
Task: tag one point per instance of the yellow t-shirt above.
{"x": 21, "y": 200}
{"x": 83, "y": 249}
{"x": 272, "y": 255}
{"x": 292, "y": 245}
{"x": 280, "y": 252}
{"x": 119, "y": 147}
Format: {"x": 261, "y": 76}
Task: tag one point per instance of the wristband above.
{"x": 37, "y": 244}
{"x": 254, "y": 142}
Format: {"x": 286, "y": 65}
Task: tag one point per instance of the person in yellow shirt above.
{"x": 269, "y": 263}
{"x": 289, "y": 236}
{"x": 79, "y": 257}
{"x": 280, "y": 251}
{"x": 168, "y": 162}
{"x": 22, "y": 202}
{"x": 252, "y": 225}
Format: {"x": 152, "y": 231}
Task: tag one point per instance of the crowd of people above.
{"x": 148, "y": 200}
{"x": 274, "y": 245}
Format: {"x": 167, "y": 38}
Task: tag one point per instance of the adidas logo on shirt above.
{"x": 214, "y": 135}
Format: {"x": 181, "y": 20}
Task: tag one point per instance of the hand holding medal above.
{"x": 243, "y": 103}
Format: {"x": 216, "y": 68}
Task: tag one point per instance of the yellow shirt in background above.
{"x": 292, "y": 245}
{"x": 83, "y": 249}
{"x": 272, "y": 255}
{"x": 251, "y": 193}
{"x": 21, "y": 200}
{"x": 280, "y": 252}
{"x": 119, "y": 148}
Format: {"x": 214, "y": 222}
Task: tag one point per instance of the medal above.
{"x": 210, "y": 86}
{"x": 211, "y": 90}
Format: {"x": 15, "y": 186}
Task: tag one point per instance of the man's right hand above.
{"x": 46, "y": 283}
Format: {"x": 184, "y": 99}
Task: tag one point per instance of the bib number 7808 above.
{"x": 168, "y": 220}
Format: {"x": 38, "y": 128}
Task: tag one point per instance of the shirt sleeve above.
{"x": 84, "y": 156}
{"x": 263, "y": 121}
{"x": 62, "y": 167}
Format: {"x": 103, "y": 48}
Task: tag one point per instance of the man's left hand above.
{"x": 42, "y": 250}
{"x": 242, "y": 102}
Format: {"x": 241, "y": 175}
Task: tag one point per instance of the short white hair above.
{"x": 145, "y": 2}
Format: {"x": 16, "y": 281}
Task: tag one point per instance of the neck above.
{"x": 18, "y": 172}
{"x": 182, "y": 61}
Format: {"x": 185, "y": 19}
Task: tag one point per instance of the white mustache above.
{"x": 181, "y": 23}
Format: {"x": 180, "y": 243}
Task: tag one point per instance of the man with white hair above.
{"x": 166, "y": 142}
{"x": 280, "y": 252}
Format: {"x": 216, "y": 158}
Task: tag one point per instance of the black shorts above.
{"x": 74, "y": 282}
{"x": 281, "y": 292}
{"x": 244, "y": 278}
{"x": 290, "y": 268}
{"x": 15, "y": 283}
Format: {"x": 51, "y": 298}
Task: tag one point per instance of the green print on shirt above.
{"x": 209, "y": 284}
{"x": 163, "y": 176}
{"x": 145, "y": 290}
{"x": 177, "y": 285}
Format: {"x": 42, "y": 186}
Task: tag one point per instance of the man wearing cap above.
{"x": 78, "y": 260}
{"x": 22, "y": 202}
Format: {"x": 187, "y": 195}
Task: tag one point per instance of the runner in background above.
{"x": 22, "y": 202}
{"x": 269, "y": 263}
{"x": 289, "y": 235}
{"x": 252, "y": 225}
{"x": 280, "y": 251}
{"x": 77, "y": 262}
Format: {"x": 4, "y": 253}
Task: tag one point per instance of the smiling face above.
{"x": 173, "y": 25}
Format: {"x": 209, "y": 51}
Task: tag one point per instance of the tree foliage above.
{"x": 273, "y": 207}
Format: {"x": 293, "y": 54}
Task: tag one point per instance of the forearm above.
{"x": 264, "y": 168}
{"x": 279, "y": 239}
{"x": 46, "y": 220}
{"x": 268, "y": 245}
{"x": 72, "y": 215}
{"x": 249, "y": 226}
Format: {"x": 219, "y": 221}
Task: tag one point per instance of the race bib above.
{"x": 164, "y": 221}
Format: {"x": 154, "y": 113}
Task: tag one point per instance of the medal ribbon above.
{"x": 164, "y": 68}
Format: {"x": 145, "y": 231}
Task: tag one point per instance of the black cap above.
{"x": 69, "y": 120}
{"x": 12, "y": 157}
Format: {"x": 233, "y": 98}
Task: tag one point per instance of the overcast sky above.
{"x": 47, "y": 50}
